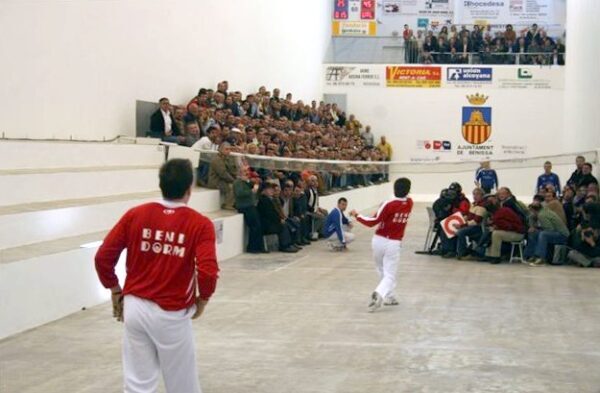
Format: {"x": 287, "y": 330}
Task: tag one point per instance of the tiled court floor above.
{"x": 298, "y": 323}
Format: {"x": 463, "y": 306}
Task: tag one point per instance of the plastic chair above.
{"x": 430, "y": 231}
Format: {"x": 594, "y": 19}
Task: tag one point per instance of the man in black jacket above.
{"x": 271, "y": 221}
{"x": 586, "y": 176}
{"x": 162, "y": 123}
{"x": 301, "y": 210}
{"x": 577, "y": 173}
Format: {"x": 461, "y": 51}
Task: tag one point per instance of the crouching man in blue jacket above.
{"x": 337, "y": 227}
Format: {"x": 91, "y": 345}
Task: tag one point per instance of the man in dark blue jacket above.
{"x": 337, "y": 223}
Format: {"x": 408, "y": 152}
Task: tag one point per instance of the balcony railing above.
{"x": 393, "y": 50}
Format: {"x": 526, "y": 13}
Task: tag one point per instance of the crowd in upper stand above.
{"x": 482, "y": 45}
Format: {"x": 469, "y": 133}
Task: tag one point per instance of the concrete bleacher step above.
{"x": 59, "y": 245}
{"x": 52, "y": 279}
{"x": 40, "y": 222}
{"x": 48, "y": 185}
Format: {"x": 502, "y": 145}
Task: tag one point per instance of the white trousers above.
{"x": 156, "y": 341}
{"x": 386, "y": 253}
{"x": 333, "y": 239}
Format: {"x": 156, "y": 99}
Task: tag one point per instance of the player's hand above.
{"x": 117, "y": 305}
{"x": 200, "y": 304}
{"x": 353, "y": 213}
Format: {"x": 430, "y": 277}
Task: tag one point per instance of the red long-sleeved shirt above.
{"x": 462, "y": 205}
{"x": 505, "y": 219}
{"x": 167, "y": 245}
{"x": 391, "y": 217}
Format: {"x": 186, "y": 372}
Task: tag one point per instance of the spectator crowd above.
{"x": 482, "y": 45}
{"x": 559, "y": 226}
{"x": 279, "y": 204}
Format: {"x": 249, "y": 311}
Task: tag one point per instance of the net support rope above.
{"x": 372, "y": 167}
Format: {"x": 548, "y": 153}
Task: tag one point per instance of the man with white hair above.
{"x": 314, "y": 211}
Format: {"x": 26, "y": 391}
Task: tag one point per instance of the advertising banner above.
{"x": 443, "y": 9}
{"x": 354, "y": 28}
{"x": 367, "y": 9}
{"x": 469, "y": 77}
{"x": 529, "y": 77}
{"x": 413, "y": 76}
{"x": 444, "y": 76}
{"x": 340, "y": 9}
{"x": 352, "y": 76}
{"x": 504, "y": 11}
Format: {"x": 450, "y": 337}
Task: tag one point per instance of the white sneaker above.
{"x": 376, "y": 301}
{"x": 390, "y": 301}
{"x": 334, "y": 246}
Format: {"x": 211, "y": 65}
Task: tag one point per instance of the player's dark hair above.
{"x": 401, "y": 187}
{"x": 176, "y": 177}
{"x": 342, "y": 199}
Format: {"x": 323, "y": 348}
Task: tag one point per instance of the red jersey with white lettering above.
{"x": 391, "y": 217}
{"x": 167, "y": 244}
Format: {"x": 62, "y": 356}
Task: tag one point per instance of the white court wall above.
{"x": 582, "y": 93}
{"x": 529, "y": 118}
{"x": 76, "y": 68}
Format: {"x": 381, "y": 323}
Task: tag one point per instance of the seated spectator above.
{"x": 353, "y": 125}
{"x": 545, "y": 230}
{"x": 221, "y": 175}
{"x": 548, "y": 177}
{"x": 442, "y": 208}
{"x": 568, "y": 196}
{"x": 316, "y": 213}
{"x": 552, "y": 203}
{"x": 337, "y": 227}
{"x": 193, "y": 114}
{"x": 246, "y": 199}
{"x": 178, "y": 118}
{"x": 586, "y": 240}
{"x": 271, "y": 221}
{"x": 461, "y": 203}
{"x": 191, "y": 136}
{"x": 473, "y": 228}
{"x": 458, "y": 203}
{"x": 300, "y": 211}
{"x": 507, "y": 199}
{"x": 506, "y": 226}
{"x": 286, "y": 204}
{"x": 162, "y": 124}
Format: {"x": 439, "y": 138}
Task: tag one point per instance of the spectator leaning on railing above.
{"x": 482, "y": 45}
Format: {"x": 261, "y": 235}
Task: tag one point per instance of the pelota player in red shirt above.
{"x": 391, "y": 219}
{"x": 171, "y": 257}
